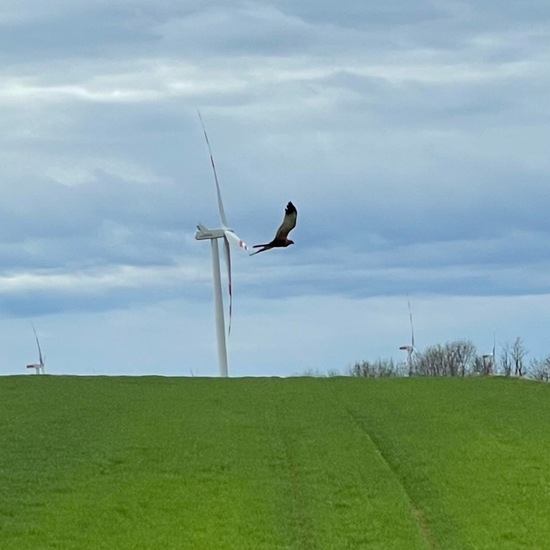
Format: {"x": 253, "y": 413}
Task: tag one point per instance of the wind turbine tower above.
{"x": 491, "y": 356}
{"x": 226, "y": 234}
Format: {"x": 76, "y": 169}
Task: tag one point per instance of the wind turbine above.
{"x": 39, "y": 367}
{"x": 227, "y": 234}
{"x": 410, "y": 349}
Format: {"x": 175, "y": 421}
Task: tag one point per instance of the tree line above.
{"x": 459, "y": 358}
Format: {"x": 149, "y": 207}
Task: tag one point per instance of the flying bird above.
{"x": 281, "y": 237}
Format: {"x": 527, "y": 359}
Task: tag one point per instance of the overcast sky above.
{"x": 411, "y": 136}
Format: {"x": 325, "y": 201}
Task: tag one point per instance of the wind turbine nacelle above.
{"x": 203, "y": 233}
{"x": 406, "y": 348}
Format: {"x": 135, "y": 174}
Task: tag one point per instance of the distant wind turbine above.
{"x": 228, "y": 235}
{"x": 40, "y": 366}
{"x": 410, "y": 349}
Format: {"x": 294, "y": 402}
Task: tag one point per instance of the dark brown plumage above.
{"x": 281, "y": 237}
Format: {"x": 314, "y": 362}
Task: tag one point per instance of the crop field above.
{"x": 267, "y": 463}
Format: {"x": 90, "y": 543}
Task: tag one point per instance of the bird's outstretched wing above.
{"x": 289, "y": 222}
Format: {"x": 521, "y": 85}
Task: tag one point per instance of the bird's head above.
{"x": 289, "y": 242}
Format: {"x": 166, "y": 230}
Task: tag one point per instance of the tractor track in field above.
{"x": 303, "y": 529}
{"x": 299, "y": 531}
{"x": 417, "y": 512}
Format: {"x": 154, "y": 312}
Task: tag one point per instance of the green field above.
{"x": 274, "y": 463}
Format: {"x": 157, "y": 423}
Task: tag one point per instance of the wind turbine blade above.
{"x": 412, "y": 327}
{"x": 227, "y": 255}
{"x": 220, "y": 203}
{"x": 233, "y": 237}
{"x": 41, "y": 360}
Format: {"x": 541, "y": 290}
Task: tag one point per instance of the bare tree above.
{"x": 460, "y": 354}
{"x": 483, "y": 365}
{"x": 381, "y": 368}
{"x": 506, "y": 359}
{"x": 455, "y": 358}
{"x": 430, "y": 362}
{"x": 540, "y": 369}
{"x": 517, "y": 354}
{"x": 488, "y": 364}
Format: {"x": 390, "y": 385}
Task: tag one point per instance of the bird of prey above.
{"x": 281, "y": 237}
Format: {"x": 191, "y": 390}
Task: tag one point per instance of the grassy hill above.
{"x": 266, "y": 463}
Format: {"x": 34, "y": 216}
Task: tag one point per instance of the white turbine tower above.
{"x": 491, "y": 356}
{"x": 39, "y": 367}
{"x": 410, "y": 349}
{"x": 227, "y": 234}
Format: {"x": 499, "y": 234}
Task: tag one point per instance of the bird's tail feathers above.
{"x": 262, "y": 248}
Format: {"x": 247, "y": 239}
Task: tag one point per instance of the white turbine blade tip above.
{"x": 236, "y": 239}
